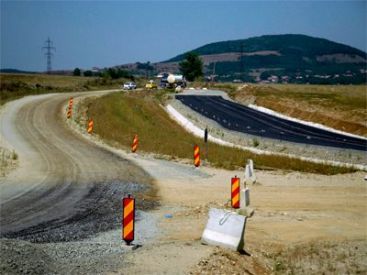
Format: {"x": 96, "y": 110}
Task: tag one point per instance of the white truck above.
{"x": 172, "y": 81}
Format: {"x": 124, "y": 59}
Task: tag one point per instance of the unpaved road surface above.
{"x": 65, "y": 188}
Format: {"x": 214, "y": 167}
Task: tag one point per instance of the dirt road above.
{"x": 65, "y": 188}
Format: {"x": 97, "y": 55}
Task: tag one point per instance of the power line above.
{"x": 49, "y": 48}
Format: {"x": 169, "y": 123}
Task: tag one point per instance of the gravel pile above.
{"x": 101, "y": 253}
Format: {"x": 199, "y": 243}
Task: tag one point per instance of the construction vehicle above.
{"x": 151, "y": 85}
{"x": 172, "y": 81}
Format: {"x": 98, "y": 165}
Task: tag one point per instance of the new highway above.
{"x": 237, "y": 117}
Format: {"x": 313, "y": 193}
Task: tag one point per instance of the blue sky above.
{"x": 93, "y": 33}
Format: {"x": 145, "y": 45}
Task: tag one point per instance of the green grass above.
{"x": 119, "y": 116}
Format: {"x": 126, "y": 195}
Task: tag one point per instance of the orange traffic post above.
{"x": 235, "y": 192}
{"x": 90, "y": 126}
{"x": 70, "y": 108}
{"x": 69, "y": 113}
{"x": 71, "y": 102}
{"x": 196, "y": 156}
{"x": 134, "y": 145}
{"x": 128, "y": 219}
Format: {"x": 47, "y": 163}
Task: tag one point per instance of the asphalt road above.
{"x": 66, "y": 188}
{"x": 240, "y": 118}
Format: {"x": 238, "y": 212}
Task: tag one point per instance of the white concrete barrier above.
{"x": 244, "y": 198}
{"x": 225, "y": 229}
{"x": 249, "y": 172}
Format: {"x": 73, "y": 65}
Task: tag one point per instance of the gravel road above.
{"x": 65, "y": 188}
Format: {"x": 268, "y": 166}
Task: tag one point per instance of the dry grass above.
{"x": 13, "y": 86}
{"x": 346, "y": 257}
{"x": 118, "y": 117}
{"x": 59, "y": 81}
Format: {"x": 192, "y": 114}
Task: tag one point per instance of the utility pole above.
{"x": 49, "y": 48}
{"x": 213, "y": 73}
{"x": 241, "y": 64}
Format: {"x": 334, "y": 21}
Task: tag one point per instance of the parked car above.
{"x": 129, "y": 86}
{"x": 151, "y": 85}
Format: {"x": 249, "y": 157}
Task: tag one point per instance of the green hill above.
{"x": 282, "y": 58}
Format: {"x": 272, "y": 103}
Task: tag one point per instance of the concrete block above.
{"x": 244, "y": 198}
{"x": 225, "y": 229}
{"x": 246, "y": 211}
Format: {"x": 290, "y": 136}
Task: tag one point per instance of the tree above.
{"x": 88, "y": 73}
{"x": 76, "y": 72}
{"x": 265, "y": 75}
{"x": 192, "y": 66}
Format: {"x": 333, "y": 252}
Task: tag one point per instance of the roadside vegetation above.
{"x": 119, "y": 116}
{"x": 13, "y": 86}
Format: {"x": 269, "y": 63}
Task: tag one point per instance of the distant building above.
{"x": 273, "y": 79}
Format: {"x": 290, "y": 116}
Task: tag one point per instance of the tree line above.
{"x": 191, "y": 68}
{"x": 113, "y": 73}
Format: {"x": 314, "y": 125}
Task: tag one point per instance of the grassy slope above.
{"x": 14, "y": 86}
{"x": 337, "y": 106}
{"x": 118, "y": 117}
